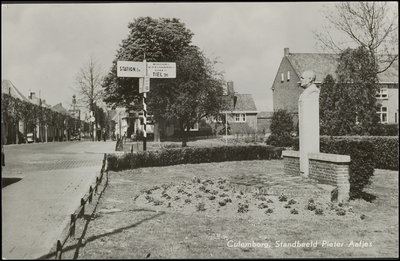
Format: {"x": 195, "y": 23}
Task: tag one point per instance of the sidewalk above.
{"x": 36, "y": 209}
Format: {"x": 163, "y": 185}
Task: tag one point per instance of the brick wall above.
{"x": 329, "y": 169}
{"x": 291, "y": 162}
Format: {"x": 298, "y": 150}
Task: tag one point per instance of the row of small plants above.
{"x": 216, "y": 194}
{"x": 176, "y": 156}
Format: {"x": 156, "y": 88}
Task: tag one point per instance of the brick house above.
{"x": 286, "y": 90}
{"x": 241, "y": 113}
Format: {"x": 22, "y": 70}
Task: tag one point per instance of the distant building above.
{"x": 264, "y": 119}
{"x": 242, "y": 111}
{"x": 286, "y": 90}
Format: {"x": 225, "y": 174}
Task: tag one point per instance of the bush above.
{"x": 362, "y": 157}
{"x": 386, "y": 149}
{"x": 281, "y": 128}
{"x": 284, "y": 140}
{"x": 168, "y": 157}
{"x": 366, "y": 153}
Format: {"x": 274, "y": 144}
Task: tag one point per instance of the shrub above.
{"x": 281, "y": 128}
{"x": 243, "y": 208}
{"x": 319, "y": 211}
{"x": 200, "y": 206}
{"x": 168, "y": 157}
{"x": 282, "y": 198}
{"x": 283, "y": 140}
{"x": 268, "y": 211}
{"x": 362, "y": 155}
{"x": 294, "y": 211}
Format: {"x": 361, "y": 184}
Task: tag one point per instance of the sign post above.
{"x": 144, "y": 71}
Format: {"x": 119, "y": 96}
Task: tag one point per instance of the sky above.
{"x": 45, "y": 45}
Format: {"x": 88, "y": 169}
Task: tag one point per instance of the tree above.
{"x": 327, "y": 100}
{"x": 372, "y": 25}
{"x": 195, "y": 93}
{"x": 349, "y": 106}
{"x": 281, "y": 128}
{"x": 156, "y": 40}
{"x": 89, "y": 84}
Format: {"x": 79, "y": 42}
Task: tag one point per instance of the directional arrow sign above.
{"x": 130, "y": 69}
{"x": 161, "y": 70}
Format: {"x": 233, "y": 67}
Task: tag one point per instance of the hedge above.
{"x": 189, "y": 155}
{"x": 361, "y": 152}
{"x": 386, "y": 149}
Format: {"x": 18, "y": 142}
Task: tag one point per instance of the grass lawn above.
{"x": 164, "y": 212}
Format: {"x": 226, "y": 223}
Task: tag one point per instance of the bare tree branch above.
{"x": 370, "y": 24}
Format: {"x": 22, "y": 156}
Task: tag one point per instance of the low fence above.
{"x": 80, "y": 211}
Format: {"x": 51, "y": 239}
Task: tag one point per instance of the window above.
{"x": 395, "y": 117}
{"x": 195, "y": 127}
{"x": 288, "y": 75}
{"x": 240, "y": 117}
{"x": 383, "y": 93}
{"x": 383, "y": 113}
{"x": 283, "y": 77}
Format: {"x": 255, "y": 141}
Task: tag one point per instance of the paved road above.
{"x": 51, "y": 180}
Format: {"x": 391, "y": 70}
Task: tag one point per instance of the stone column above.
{"x": 308, "y": 125}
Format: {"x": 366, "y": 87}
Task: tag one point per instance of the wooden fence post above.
{"x": 59, "y": 250}
{"x": 90, "y": 194}
{"x": 97, "y": 184}
{"x": 83, "y": 207}
{"x": 73, "y": 220}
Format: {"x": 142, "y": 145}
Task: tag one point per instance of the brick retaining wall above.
{"x": 329, "y": 169}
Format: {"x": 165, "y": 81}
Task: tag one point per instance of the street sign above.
{"x": 146, "y": 87}
{"x": 92, "y": 119}
{"x": 141, "y": 80}
{"x": 130, "y": 69}
{"x": 161, "y": 70}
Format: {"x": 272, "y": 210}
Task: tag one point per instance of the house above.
{"x": 241, "y": 112}
{"x": 11, "y": 128}
{"x": 264, "y": 119}
{"x": 286, "y": 90}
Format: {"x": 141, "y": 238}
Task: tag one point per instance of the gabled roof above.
{"x": 320, "y": 63}
{"x": 61, "y": 109}
{"x": 9, "y": 88}
{"x": 241, "y": 102}
{"x": 324, "y": 63}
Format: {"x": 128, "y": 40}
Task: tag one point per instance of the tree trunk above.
{"x": 184, "y": 136}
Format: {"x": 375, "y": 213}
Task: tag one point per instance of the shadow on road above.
{"x": 8, "y": 181}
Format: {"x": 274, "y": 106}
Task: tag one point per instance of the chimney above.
{"x": 286, "y": 51}
{"x": 231, "y": 90}
{"x": 32, "y": 95}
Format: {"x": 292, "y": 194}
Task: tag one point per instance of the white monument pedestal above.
{"x": 308, "y": 126}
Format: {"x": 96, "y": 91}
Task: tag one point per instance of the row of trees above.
{"x": 14, "y": 110}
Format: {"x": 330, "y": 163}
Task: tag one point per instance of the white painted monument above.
{"x": 308, "y": 120}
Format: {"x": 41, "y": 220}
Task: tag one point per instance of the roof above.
{"x": 324, "y": 63}
{"x": 8, "y": 87}
{"x": 265, "y": 115}
{"x": 320, "y": 63}
{"x": 242, "y": 102}
{"x": 61, "y": 109}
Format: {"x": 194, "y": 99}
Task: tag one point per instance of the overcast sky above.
{"x": 44, "y": 45}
